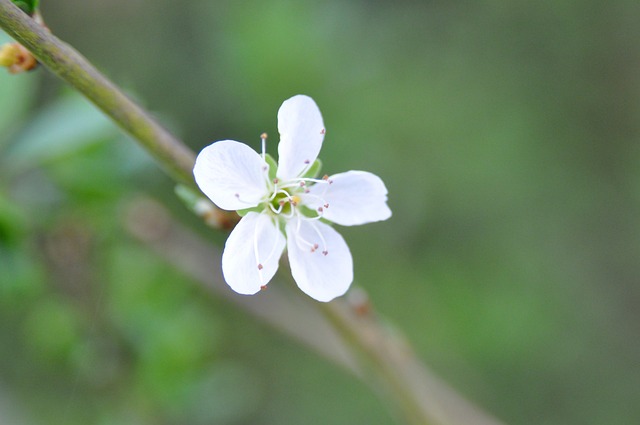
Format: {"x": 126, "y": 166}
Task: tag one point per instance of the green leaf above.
{"x": 63, "y": 128}
{"x": 28, "y": 6}
{"x": 12, "y": 222}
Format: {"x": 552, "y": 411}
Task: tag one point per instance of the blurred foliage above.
{"x": 507, "y": 134}
{"x": 28, "y": 6}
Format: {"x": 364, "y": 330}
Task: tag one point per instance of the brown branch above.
{"x": 344, "y": 333}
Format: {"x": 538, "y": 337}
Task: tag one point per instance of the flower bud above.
{"x": 16, "y": 58}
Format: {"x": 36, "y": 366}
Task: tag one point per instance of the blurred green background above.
{"x": 507, "y": 133}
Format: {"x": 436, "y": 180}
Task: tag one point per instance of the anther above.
{"x": 314, "y": 247}
{"x": 320, "y": 209}
{"x": 323, "y": 131}
{"x": 326, "y": 205}
{"x": 325, "y": 253}
{"x": 302, "y": 184}
{"x": 263, "y": 287}
{"x": 307, "y": 190}
{"x": 237, "y": 195}
{"x": 276, "y": 181}
{"x": 306, "y": 161}
{"x": 325, "y": 177}
{"x": 281, "y": 202}
{"x": 260, "y": 267}
{"x": 263, "y": 136}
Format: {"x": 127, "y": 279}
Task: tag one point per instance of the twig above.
{"x": 340, "y": 331}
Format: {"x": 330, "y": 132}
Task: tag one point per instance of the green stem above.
{"x": 176, "y": 158}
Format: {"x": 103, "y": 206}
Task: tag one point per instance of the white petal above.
{"x": 251, "y": 254}
{"x": 231, "y": 174}
{"x": 301, "y": 135}
{"x": 323, "y": 273}
{"x": 354, "y": 197}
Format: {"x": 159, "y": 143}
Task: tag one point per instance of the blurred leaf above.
{"x": 28, "y": 6}
{"x": 11, "y": 221}
{"x": 226, "y": 393}
{"x": 53, "y": 329}
{"x": 63, "y": 128}
{"x": 21, "y": 278}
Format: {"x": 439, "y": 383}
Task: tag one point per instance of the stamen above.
{"x": 325, "y": 251}
{"x": 323, "y": 131}
{"x": 237, "y": 195}
{"x": 302, "y": 242}
{"x": 271, "y": 252}
{"x": 255, "y": 251}
{"x": 312, "y": 246}
{"x": 263, "y": 138}
{"x": 274, "y": 209}
{"x": 275, "y": 242}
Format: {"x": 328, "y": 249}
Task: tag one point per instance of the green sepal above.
{"x": 273, "y": 166}
{"x": 188, "y": 196}
{"x": 246, "y": 211}
{"x": 307, "y": 212}
{"x": 314, "y": 170}
{"x": 28, "y": 6}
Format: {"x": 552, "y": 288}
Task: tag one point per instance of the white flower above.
{"x": 285, "y": 205}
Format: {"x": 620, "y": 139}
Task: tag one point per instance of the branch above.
{"x": 340, "y": 331}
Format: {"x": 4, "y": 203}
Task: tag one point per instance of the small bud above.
{"x": 16, "y": 58}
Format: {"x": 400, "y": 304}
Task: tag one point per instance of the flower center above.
{"x": 294, "y": 198}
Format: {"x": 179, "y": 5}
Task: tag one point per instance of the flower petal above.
{"x": 322, "y": 273}
{"x": 301, "y": 135}
{"x": 354, "y": 197}
{"x": 231, "y": 174}
{"x": 251, "y": 254}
